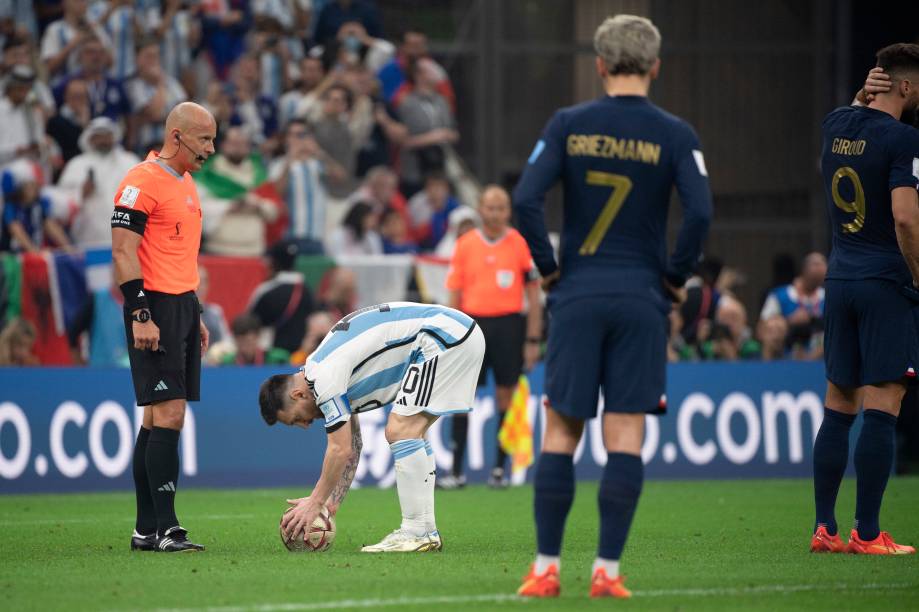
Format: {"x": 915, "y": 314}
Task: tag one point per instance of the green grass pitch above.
{"x": 694, "y": 546}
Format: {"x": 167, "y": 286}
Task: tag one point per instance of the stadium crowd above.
{"x": 333, "y": 142}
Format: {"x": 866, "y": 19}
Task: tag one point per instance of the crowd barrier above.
{"x": 65, "y": 429}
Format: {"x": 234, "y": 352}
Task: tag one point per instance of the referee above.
{"x": 490, "y": 272}
{"x": 156, "y": 235}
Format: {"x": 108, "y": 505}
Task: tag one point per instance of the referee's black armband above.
{"x": 134, "y": 296}
{"x": 129, "y": 219}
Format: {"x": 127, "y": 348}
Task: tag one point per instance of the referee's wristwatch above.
{"x": 141, "y": 316}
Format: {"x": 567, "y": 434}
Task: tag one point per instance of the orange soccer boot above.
{"x": 602, "y": 585}
{"x": 540, "y": 585}
{"x": 881, "y": 545}
{"x": 823, "y": 542}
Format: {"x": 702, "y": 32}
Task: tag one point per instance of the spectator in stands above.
{"x": 180, "y": 32}
{"x": 801, "y": 305}
{"x": 21, "y": 117}
{"x": 702, "y": 300}
{"x": 730, "y": 338}
{"x": 429, "y": 121}
{"x": 394, "y": 75}
{"x": 386, "y": 134}
{"x": 220, "y": 103}
{"x": 16, "y": 343}
{"x": 253, "y": 110}
{"x": 235, "y": 216}
{"x": 223, "y": 32}
{"x": 71, "y": 119}
{"x": 340, "y": 292}
{"x": 62, "y": 43}
{"x": 211, "y": 312}
{"x": 771, "y": 334}
{"x": 334, "y": 136}
{"x": 461, "y": 220}
{"x": 106, "y": 95}
{"x": 394, "y": 233}
{"x": 101, "y": 318}
{"x": 336, "y": 13}
{"x": 283, "y": 302}
{"x": 17, "y": 51}
{"x": 276, "y": 57}
{"x": 153, "y": 93}
{"x": 298, "y": 178}
{"x": 246, "y": 329}
{"x": 430, "y": 210}
{"x": 380, "y": 189}
{"x": 372, "y": 53}
{"x": 120, "y": 20}
{"x": 297, "y": 102}
{"x": 27, "y": 219}
{"x": 93, "y": 178}
{"x": 356, "y": 235}
{"x": 318, "y": 325}
{"x": 19, "y": 17}
{"x": 677, "y": 347}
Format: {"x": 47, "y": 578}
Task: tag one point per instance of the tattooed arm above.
{"x": 344, "y": 484}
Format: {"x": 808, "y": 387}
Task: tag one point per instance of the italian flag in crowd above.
{"x": 48, "y": 290}
{"x": 516, "y": 434}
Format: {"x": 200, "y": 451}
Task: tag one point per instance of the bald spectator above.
{"x": 730, "y": 338}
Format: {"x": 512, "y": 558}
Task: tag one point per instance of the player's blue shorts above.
{"x": 618, "y": 343}
{"x": 870, "y": 333}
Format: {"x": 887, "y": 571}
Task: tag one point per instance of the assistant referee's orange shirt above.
{"x": 168, "y": 252}
{"x": 490, "y": 275}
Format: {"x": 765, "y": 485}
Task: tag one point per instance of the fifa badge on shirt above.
{"x": 129, "y": 196}
{"x": 504, "y": 278}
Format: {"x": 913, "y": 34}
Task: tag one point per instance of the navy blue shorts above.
{"x": 870, "y": 333}
{"x": 617, "y": 343}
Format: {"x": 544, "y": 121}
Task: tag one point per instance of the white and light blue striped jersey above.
{"x": 360, "y": 364}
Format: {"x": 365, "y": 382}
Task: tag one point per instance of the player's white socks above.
{"x": 430, "y": 523}
{"x": 412, "y": 467}
{"x": 611, "y": 567}
{"x": 544, "y": 561}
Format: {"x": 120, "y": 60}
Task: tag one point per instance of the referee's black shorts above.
{"x": 504, "y": 338}
{"x": 173, "y": 371}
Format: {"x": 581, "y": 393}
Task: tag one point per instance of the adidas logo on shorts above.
{"x": 168, "y": 487}
{"x": 161, "y": 386}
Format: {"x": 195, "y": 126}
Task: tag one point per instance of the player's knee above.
{"x": 623, "y": 433}
{"x": 169, "y": 414}
{"x": 886, "y": 398}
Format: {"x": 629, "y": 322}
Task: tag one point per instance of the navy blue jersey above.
{"x": 866, "y": 154}
{"x": 619, "y": 159}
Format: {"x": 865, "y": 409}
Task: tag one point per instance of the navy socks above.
{"x": 874, "y": 453}
{"x": 620, "y": 488}
{"x": 831, "y": 454}
{"x": 553, "y": 494}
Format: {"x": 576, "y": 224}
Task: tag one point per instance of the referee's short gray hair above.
{"x": 628, "y": 44}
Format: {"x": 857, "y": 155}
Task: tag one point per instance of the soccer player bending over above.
{"x": 619, "y": 158}
{"x": 424, "y": 360}
{"x": 870, "y": 165}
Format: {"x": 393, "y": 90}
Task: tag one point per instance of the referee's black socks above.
{"x": 146, "y": 514}
{"x": 163, "y": 475}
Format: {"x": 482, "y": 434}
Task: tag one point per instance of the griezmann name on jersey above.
{"x": 619, "y": 158}
{"x": 866, "y": 154}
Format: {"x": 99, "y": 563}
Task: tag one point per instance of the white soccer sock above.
{"x": 412, "y": 468}
{"x": 611, "y": 567}
{"x": 430, "y": 523}
{"x": 544, "y": 561}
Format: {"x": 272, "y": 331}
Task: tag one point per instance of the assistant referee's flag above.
{"x": 516, "y": 434}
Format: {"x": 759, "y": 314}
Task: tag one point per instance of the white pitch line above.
{"x": 72, "y": 521}
{"x": 508, "y": 598}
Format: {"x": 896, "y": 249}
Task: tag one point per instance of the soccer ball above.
{"x": 320, "y": 537}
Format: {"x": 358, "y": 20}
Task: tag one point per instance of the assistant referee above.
{"x": 156, "y": 235}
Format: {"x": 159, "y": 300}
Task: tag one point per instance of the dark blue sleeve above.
{"x": 691, "y": 180}
{"x": 904, "y": 167}
{"x": 541, "y": 172}
{"x": 10, "y": 213}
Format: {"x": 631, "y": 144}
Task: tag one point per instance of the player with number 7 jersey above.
{"x": 422, "y": 359}
{"x": 618, "y": 159}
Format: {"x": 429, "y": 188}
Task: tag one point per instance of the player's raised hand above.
{"x": 877, "y": 82}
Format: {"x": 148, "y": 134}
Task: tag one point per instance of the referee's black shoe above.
{"x": 176, "y": 540}
{"x": 143, "y": 542}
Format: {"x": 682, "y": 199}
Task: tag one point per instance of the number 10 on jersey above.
{"x": 621, "y": 185}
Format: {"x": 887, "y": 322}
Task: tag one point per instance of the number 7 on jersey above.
{"x": 621, "y": 185}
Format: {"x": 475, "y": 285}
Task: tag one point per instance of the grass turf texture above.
{"x": 694, "y": 546}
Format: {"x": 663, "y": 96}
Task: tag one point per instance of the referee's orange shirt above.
{"x": 168, "y": 252}
{"x": 490, "y": 275}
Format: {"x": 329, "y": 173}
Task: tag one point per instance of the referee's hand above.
{"x": 146, "y": 336}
